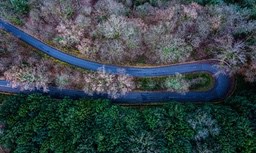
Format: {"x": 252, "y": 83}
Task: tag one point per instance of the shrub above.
{"x": 70, "y": 34}
{"x": 121, "y": 37}
{"x": 103, "y": 83}
{"x": 50, "y": 11}
{"x": 53, "y": 12}
{"x": 177, "y": 84}
{"x": 232, "y": 18}
{"x": 38, "y": 27}
{"x": 4, "y": 64}
{"x": 83, "y": 21}
{"x": 230, "y": 42}
{"x": 191, "y": 10}
{"x": 7, "y": 44}
{"x": 116, "y": 27}
{"x": 249, "y": 71}
{"x": 242, "y": 3}
{"x": 201, "y": 32}
{"x": 132, "y": 34}
{"x": 154, "y": 33}
{"x": 21, "y": 6}
{"x": 7, "y": 12}
{"x": 28, "y": 77}
{"x": 155, "y": 3}
{"x": 63, "y": 10}
{"x": 145, "y": 141}
{"x": 144, "y": 10}
{"x": 112, "y": 51}
{"x": 62, "y": 80}
{"x": 173, "y": 50}
{"x": 232, "y": 54}
{"x": 127, "y": 3}
{"x": 175, "y": 34}
{"x": 205, "y": 127}
{"x": 86, "y": 47}
{"x": 109, "y": 7}
{"x": 207, "y": 2}
{"x": 147, "y": 84}
{"x": 113, "y": 27}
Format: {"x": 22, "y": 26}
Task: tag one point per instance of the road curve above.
{"x": 221, "y": 89}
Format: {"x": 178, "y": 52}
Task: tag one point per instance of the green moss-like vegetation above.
{"x": 206, "y": 83}
{"x": 198, "y": 82}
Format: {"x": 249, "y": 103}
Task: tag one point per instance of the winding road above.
{"x": 222, "y": 87}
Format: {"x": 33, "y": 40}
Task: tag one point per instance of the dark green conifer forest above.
{"x": 38, "y": 123}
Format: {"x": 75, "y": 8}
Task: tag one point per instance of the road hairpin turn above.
{"x": 222, "y": 87}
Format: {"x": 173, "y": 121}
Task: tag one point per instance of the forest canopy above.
{"x": 37, "y": 123}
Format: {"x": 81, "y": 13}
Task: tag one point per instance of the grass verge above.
{"x": 199, "y": 81}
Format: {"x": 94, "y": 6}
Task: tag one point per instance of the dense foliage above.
{"x": 38, "y": 123}
{"x": 21, "y": 6}
{"x": 241, "y": 3}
